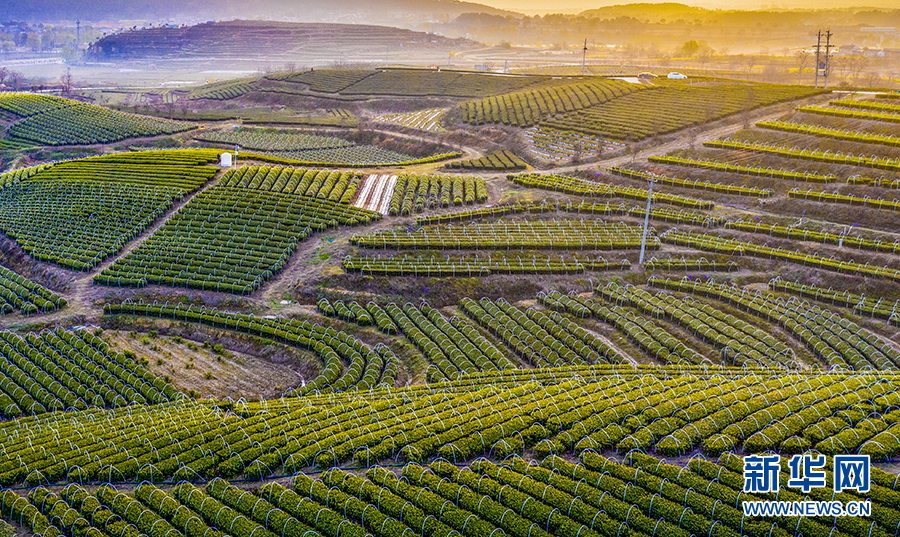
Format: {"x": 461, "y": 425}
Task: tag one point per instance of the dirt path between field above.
{"x": 319, "y": 254}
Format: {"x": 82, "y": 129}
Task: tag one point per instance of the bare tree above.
{"x": 750, "y": 61}
{"x": 706, "y": 54}
{"x": 15, "y": 79}
{"x": 857, "y": 64}
{"x": 633, "y": 150}
{"x": 67, "y": 82}
{"x": 802, "y": 57}
{"x": 839, "y": 65}
{"x": 692, "y": 133}
{"x": 4, "y": 72}
{"x": 747, "y": 112}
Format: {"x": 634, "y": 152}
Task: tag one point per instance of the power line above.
{"x": 583, "y": 56}
{"x": 818, "y": 48}
{"x": 822, "y": 64}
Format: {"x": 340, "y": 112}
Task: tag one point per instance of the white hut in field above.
{"x": 225, "y": 160}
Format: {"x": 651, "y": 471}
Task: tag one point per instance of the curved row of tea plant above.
{"x": 872, "y": 306}
{"x": 29, "y": 104}
{"x": 417, "y": 192}
{"x": 229, "y": 239}
{"x": 61, "y": 370}
{"x": 13, "y": 177}
{"x": 81, "y": 124}
{"x": 836, "y": 340}
{"x": 827, "y": 132}
{"x": 527, "y": 107}
{"x": 624, "y": 408}
{"x": 743, "y": 169}
{"x": 801, "y": 234}
{"x": 21, "y": 294}
{"x": 594, "y": 496}
{"x": 741, "y": 342}
{"x": 845, "y": 199}
{"x": 433, "y": 266}
{"x": 503, "y": 160}
{"x": 535, "y": 234}
{"x": 367, "y": 368}
{"x": 668, "y": 108}
{"x": 222, "y": 91}
{"x": 654, "y": 340}
{"x": 574, "y": 185}
{"x": 273, "y": 140}
{"x": 358, "y": 156}
{"x": 713, "y": 243}
{"x": 734, "y": 190}
{"x": 332, "y": 185}
{"x": 544, "y": 340}
{"x": 816, "y": 155}
{"x": 452, "y": 347}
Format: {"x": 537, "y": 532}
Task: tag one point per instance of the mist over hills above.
{"x": 671, "y": 11}
{"x": 178, "y": 11}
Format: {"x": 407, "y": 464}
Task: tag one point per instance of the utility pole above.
{"x": 818, "y": 47}
{"x": 651, "y": 180}
{"x": 828, "y": 46}
{"x": 77, "y": 35}
{"x": 583, "y": 56}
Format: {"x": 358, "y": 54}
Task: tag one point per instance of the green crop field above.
{"x": 528, "y": 107}
{"x": 390, "y": 325}
{"x": 55, "y": 121}
{"x": 88, "y": 209}
{"x": 637, "y": 115}
{"x": 497, "y": 161}
{"x": 237, "y": 235}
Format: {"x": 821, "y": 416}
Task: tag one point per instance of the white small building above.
{"x": 225, "y": 160}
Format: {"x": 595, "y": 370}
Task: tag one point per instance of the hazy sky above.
{"x": 575, "y": 6}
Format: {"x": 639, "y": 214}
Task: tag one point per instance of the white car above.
{"x": 675, "y": 74}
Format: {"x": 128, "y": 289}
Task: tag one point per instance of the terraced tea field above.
{"x": 574, "y": 350}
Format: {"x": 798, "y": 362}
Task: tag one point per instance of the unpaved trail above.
{"x": 307, "y": 261}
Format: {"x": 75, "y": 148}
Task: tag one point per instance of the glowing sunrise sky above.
{"x": 575, "y": 6}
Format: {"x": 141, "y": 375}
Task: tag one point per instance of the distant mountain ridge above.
{"x": 673, "y": 11}
{"x": 654, "y": 12}
{"x": 275, "y": 40}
